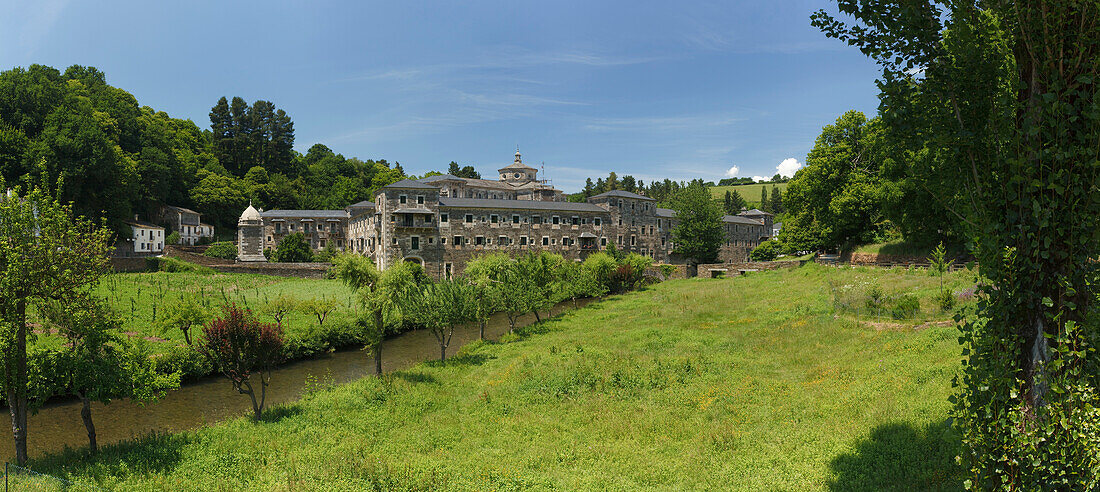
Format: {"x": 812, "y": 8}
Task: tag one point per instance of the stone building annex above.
{"x": 443, "y": 221}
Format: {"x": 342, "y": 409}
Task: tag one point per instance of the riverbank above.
{"x": 751, "y": 383}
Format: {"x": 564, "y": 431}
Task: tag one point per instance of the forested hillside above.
{"x": 95, "y": 146}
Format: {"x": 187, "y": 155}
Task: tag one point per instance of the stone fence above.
{"x": 733, "y": 269}
{"x": 192, "y": 254}
{"x": 298, "y": 270}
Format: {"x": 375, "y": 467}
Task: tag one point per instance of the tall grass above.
{"x": 750, "y": 383}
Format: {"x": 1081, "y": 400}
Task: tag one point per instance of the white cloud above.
{"x": 733, "y": 172}
{"x": 759, "y": 178}
{"x": 788, "y": 167}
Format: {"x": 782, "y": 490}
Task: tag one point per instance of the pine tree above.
{"x": 764, "y": 199}
{"x": 777, "y": 200}
{"x": 589, "y": 188}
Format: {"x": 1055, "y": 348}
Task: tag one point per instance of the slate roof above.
{"x": 755, "y": 211}
{"x": 734, "y": 219}
{"x": 143, "y": 224}
{"x": 410, "y": 184}
{"x": 517, "y": 165}
{"x": 665, "y": 212}
{"x": 623, "y": 194}
{"x": 441, "y": 177}
{"x": 362, "y": 204}
{"x": 305, "y": 214}
{"x": 518, "y": 204}
{"x": 181, "y": 209}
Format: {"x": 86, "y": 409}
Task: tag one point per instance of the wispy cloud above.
{"x": 35, "y": 20}
{"x": 661, "y": 123}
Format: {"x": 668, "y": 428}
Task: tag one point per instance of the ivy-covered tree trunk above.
{"x": 1003, "y": 98}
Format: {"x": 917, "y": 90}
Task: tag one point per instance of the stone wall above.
{"x": 297, "y": 270}
{"x": 877, "y": 259}
{"x": 733, "y": 268}
{"x": 678, "y": 271}
{"x": 131, "y": 264}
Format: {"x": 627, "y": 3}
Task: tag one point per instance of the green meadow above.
{"x": 749, "y": 383}
{"x": 750, "y": 192}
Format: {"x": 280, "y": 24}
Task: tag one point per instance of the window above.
{"x": 443, "y": 240}
{"x": 427, "y": 219}
{"x": 402, "y": 199}
{"x": 305, "y": 227}
{"x": 603, "y": 241}
{"x": 633, "y": 240}
{"x": 620, "y": 240}
{"x": 443, "y": 218}
{"x": 469, "y": 218}
{"x": 556, "y": 220}
{"x": 658, "y": 223}
{"x": 620, "y": 203}
{"x": 479, "y": 241}
{"x": 523, "y": 240}
{"x": 631, "y": 206}
{"x": 419, "y": 199}
{"x": 565, "y": 240}
{"x": 575, "y": 220}
{"x": 620, "y": 221}
{"x": 545, "y": 240}
{"x": 431, "y": 240}
{"x": 536, "y": 220}
{"x": 502, "y": 240}
{"x": 415, "y": 242}
{"x": 278, "y": 228}
{"x": 597, "y": 222}
{"x": 554, "y": 242}
{"x": 395, "y": 241}
{"x": 447, "y": 269}
{"x": 494, "y": 218}
{"x": 457, "y": 241}
{"x": 515, "y": 219}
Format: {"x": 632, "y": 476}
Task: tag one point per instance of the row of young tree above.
{"x": 403, "y": 295}
{"x": 733, "y": 202}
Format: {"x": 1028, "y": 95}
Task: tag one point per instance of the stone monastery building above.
{"x": 443, "y": 221}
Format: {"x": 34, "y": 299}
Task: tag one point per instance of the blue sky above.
{"x": 654, "y": 89}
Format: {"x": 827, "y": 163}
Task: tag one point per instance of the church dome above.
{"x": 250, "y": 214}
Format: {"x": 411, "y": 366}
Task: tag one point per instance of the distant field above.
{"x": 762, "y": 382}
{"x": 750, "y": 192}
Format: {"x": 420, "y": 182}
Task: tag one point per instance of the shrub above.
{"x": 224, "y": 250}
{"x": 173, "y": 238}
{"x": 945, "y": 300}
{"x": 240, "y": 347}
{"x": 905, "y": 306}
{"x": 293, "y": 248}
{"x": 174, "y": 265}
{"x": 766, "y": 251}
{"x": 327, "y": 254}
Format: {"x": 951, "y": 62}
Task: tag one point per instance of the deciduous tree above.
{"x": 45, "y": 253}
{"x": 240, "y": 347}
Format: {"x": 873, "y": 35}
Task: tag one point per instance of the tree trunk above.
{"x": 380, "y": 325}
{"x": 442, "y": 353}
{"x": 86, "y": 415}
{"x": 537, "y": 318}
{"x": 17, "y": 383}
{"x": 377, "y": 359}
{"x": 482, "y": 323}
{"x": 245, "y": 388}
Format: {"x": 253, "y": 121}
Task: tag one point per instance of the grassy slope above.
{"x": 750, "y": 192}
{"x": 745, "y": 383}
{"x": 161, "y": 289}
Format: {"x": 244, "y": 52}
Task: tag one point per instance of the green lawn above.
{"x": 135, "y": 296}
{"x": 749, "y": 383}
{"x": 750, "y": 192}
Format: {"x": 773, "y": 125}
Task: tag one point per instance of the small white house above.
{"x": 147, "y": 238}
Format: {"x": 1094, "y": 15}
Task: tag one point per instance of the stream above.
{"x": 213, "y": 399}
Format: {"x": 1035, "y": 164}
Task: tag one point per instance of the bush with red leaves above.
{"x": 240, "y": 346}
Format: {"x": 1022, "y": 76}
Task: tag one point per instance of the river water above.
{"x": 213, "y": 399}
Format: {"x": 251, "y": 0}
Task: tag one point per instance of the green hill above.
{"x": 750, "y": 192}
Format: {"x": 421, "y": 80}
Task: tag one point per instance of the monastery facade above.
{"x": 441, "y": 222}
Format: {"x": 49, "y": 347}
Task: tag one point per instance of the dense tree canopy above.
{"x": 113, "y": 158}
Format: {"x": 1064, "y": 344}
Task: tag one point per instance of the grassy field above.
{"x": 750, "y": 383}
{"x": 750, "y": 192}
